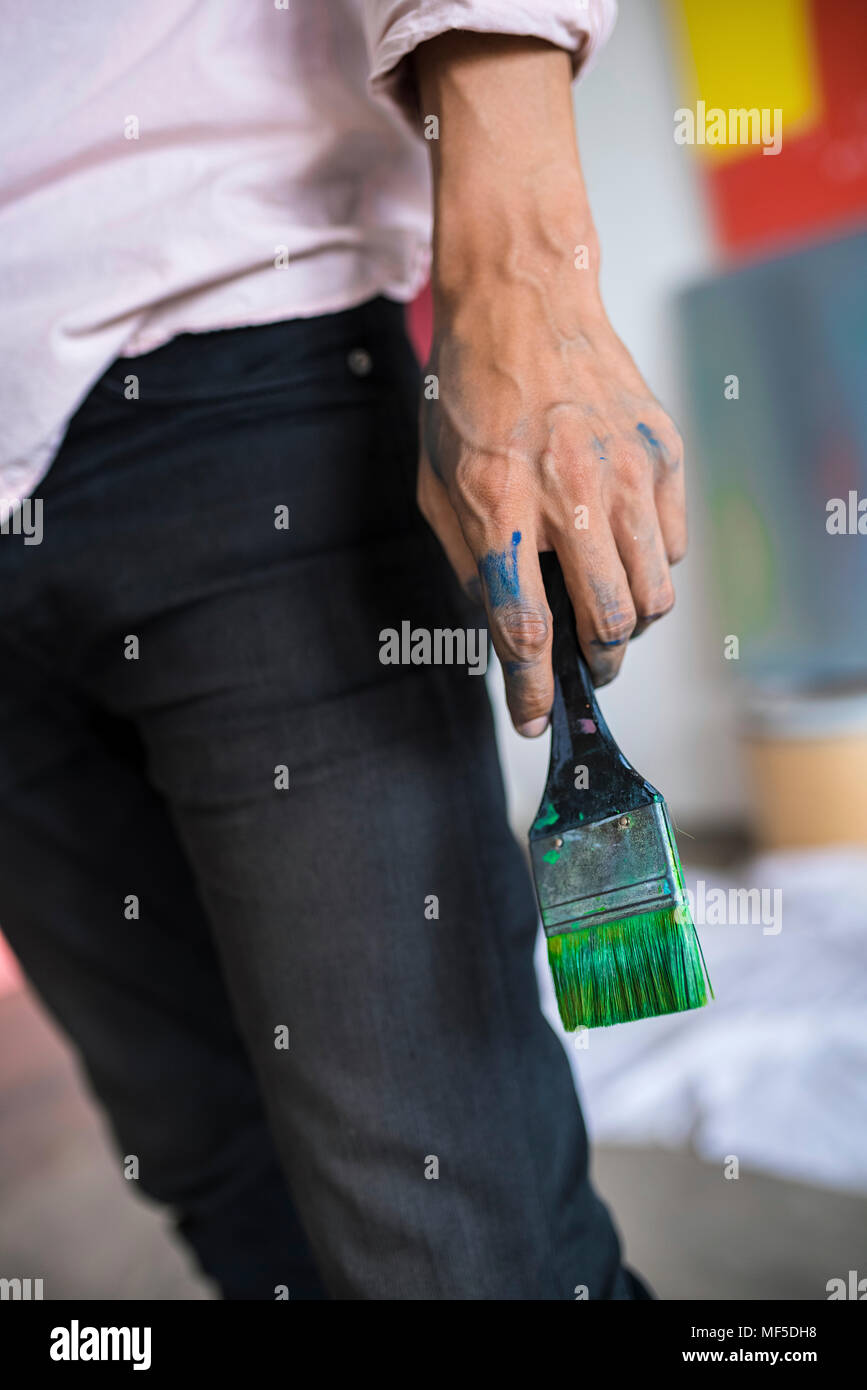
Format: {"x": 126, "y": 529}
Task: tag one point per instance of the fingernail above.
{"x": 534, "y": 727}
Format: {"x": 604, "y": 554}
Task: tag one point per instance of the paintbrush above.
{"x": 621, "y": 941}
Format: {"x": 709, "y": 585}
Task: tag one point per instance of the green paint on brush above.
{"x": 645, "y": 965}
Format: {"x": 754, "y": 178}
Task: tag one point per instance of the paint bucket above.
{"x": 806, "y": 756}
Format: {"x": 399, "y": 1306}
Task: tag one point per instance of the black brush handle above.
{"x": 579, "y": 735}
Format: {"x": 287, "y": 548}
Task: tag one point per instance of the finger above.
{"x": 670, "y": 501}
{"x": 520, "y": 626}
{"x": 599, "y": 589}
{"x": 435, "y": 507}
{"x": 665, "y": 448}
{"x": 638, "y": 537}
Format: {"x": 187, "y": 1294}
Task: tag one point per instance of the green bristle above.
{"x": 642, "y": 966}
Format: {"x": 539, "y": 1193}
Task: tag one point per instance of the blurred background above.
{"x": 732, "y": 1143}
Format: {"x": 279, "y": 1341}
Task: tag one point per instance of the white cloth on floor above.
{"x": 774, "y": 1072}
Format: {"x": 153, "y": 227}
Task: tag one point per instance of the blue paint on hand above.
{"x": 647, "y": 433}
{"x": 499, "y": 572}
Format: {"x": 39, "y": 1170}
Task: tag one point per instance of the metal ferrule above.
{"x": 628, "y": 859}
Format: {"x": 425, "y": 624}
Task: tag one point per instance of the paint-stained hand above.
{"x": 544, "y": 436}
{"x": 538, "y": 431}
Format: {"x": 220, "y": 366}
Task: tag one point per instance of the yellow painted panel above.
{"x": 747, "y": 54}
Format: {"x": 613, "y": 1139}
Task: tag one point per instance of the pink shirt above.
{"x": 177, "y": 166}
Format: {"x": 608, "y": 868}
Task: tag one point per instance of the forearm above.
{"x": 508, "y": 189}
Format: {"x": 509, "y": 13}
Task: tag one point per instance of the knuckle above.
{"x": 657, "y": 603}
{"x": 612, "y": 612}
{"x": 523, "y": 633}
{"x": 631, "y": 462}
{"x": 471, "y": 480}
{"x": 671, "y": 441}
{"x": 553, "y": 471}
{"x": 674, "y": 447}
{"x": 614, "y": 628}
{"x": 488, "y": 488}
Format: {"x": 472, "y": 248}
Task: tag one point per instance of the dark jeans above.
{"x": 269, "y": 915}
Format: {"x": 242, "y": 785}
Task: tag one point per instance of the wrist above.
{"x": 514, "y": 234}
{"x": 509, "y": 198}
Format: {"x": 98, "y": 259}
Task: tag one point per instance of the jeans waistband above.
{"x": 222, "y": 354}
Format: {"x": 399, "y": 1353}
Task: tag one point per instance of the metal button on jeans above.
{"x": 360, "y": 362}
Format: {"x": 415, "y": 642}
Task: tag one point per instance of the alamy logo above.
{"x": 22, "y": 518}
{"x": 77, "y": 1343}
{"x": 853, "y": 1288}
{"x": 711, "y": 125}
{"x": 737, "y": 907}
{"x": 20, "y": 1289}
{"x": 846, "y": 517}
{"x": 441, "y": 646}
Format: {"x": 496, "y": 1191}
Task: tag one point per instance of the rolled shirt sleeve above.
{"x": 393, "y": 28}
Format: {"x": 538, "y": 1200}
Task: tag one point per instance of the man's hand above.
{"x": 543, "y": 434}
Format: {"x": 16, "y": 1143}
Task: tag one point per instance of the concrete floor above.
{"x": 694, "y": 1234}
{"x": 68, "y": 1216}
